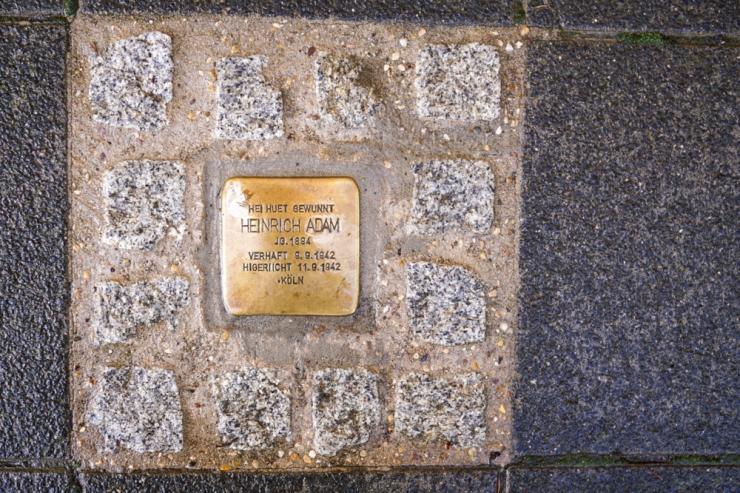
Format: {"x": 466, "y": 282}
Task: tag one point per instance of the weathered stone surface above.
{"x": 488, "y": 12}
{"x": 701, "y": 16}
{"x": 652, "y": 479}
{"x": 451, "y": 409}
{"x": 346, "y": 408}
{"x": 629, "y": 324}
{"x": 458, "y": 82}
{"x": 466, "y": 481}
{"x": 144, "y": 202}
{"x": 247, "y": 108}
{"x": 253, "y": 408}
{"x": 37, "y": 482}
{"x": 137, "y": 409}
{"x": 452, "y": 195}
{"x": 446, "y": 303}
{"x": 131, "y": 84}
{"x": 124, "y": 308}
{"x": 34, "y": 291}
{"x": 340, "y": 96}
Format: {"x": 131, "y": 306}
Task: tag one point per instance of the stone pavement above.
{"x": 550, "y": 285}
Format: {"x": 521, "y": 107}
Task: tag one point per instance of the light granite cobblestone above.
{"x": 346, "y": 408}
{"x": 446, "y": 304}
{"x": 131, "y": 84}
{"x": 143, "y": 203}
{"x": 451, "y": 409}
{"x": 124, "y": 308}
{"x": 248, "y": 108}
{"x": 452, "y": 195}
{"x": 253, "y": 408}
{"x": 458, "y": 82}
{"x": 340, "y": 96}
{"x": 137, "y": 409}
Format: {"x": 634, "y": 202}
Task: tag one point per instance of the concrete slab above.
{"x": 32, "y": 8}
{"x": 616, "y": 480}
{"x": 630, "y": 300}
{"x": 37, "y": 482}
{"x": 698, "y": 16}
{"x": 34, "y": 415}
{"x": 483, "y": 481}
{"x": 494, "y": 12}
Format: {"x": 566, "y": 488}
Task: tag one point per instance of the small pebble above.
{"x": 422, "y": 32}
{"x": 509, "y": 48}
{"x": 524, "y": 31}
{"x": 312, "y": 454}
{"x": 403, "y": 42}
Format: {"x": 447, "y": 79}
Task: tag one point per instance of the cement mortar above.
{"x": 207, "y": 342}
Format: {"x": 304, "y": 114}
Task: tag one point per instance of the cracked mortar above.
{"x": 375, "y": 135}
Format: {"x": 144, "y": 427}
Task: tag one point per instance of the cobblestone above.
{"x": 137, "y": 409}
{"x": 131, "y": 84}
{"x": 458, "y": 82}
{"x": 345, "y": 408}
{"x": 248, "y": 108}
{"x": 124, "y": 308}
{"x": 340, "y": 96}
{"x": 253, "y": 408}
{"x": 452, "y": 195}
{"x": 144, "y": 202}
{"x": 446, "y": 304}
{"x": 439, "y": 408}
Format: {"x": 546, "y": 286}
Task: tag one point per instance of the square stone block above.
{"x": 458, "y": 82}
{"x": 143, "y": 203}
{"x": 253, "y": 408}
{"x": 131, "y": 84}
{"x": 345, "y": 408}
{"x": 452, "y": 195}
{"x": 341, "y": 97}
{"x": 290, "y": 246}
{"x": 247, "y": 108}
{"x": 123, "y": 308}
{"x": 451, "y": 409}
{"x": 446, "y": 304}
{"x": 137, "y": 409}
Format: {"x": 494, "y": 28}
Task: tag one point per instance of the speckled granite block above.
{"x": 247, "y": 108}
{"x": 452, "y": 195}
{"x": 446, "y": 304}
{"x": 346, "y": 408}
{"x": 137, "y": 409}
{"x": 124, "y": 308}
{"x": 253, "y": 408}
{"x": 451, "y": 409}
{"x": 131, "y": 84}
{"x": 143, "y": 203}
{"x": 458, "y": 82}
{"x": 340, "y": 96}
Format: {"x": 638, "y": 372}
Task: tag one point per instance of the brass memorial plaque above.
{"x": 290, "y": 246}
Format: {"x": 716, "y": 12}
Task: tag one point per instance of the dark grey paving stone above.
{"x": 422, "y": 482}
{"x": 34, "y": 416}
{"x": 32, "y": 8}
{"x": 490, "y": 12}
{"x": 620, "y": 480}
{"x": 700, "y": 16}
{"x": 629, "y": 336}
{"x": 37, "y": 482}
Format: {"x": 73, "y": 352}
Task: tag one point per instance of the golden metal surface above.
{"x": 290, "y": 246}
